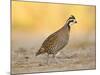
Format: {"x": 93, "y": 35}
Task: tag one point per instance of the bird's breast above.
{"x": 64, "y": 36}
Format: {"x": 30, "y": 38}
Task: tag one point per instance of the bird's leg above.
{"x": 47, "y": 61}
{"x": 54, "y": 57}
{"x": 56, "y": 60}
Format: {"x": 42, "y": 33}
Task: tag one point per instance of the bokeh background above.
{"x": 38, "y": 20}
{"x": 33, "y": 22}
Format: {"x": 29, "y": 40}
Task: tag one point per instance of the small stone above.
{"x": 26, "y": 57}
{"x": 40, "y": 64}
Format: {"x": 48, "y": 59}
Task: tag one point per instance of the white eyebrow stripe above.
{"x": 71, "y": 19}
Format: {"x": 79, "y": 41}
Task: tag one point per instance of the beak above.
{"x": 75, "y": 21}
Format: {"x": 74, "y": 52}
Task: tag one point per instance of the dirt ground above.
{"x": 71, "y": 57}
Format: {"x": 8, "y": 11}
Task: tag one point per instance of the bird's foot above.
{"x": 68, "y": 56}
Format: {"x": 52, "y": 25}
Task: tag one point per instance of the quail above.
{"x": 58, "y": 40}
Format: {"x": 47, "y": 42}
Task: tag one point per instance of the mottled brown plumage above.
{"x": 56, "y": 41}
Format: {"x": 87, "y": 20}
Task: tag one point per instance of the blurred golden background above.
{"x": 33, "y": 21}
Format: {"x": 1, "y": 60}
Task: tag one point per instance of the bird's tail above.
{"x": 41, "y": 51}
{"x": 37, "y": 53}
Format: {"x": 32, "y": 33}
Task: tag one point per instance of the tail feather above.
{"x": 38, "y": 53}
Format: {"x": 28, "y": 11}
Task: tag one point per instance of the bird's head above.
{"x": 71, "y": 20}
{"x": 41, "y": 51}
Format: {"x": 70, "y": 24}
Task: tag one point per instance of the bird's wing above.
{"x": 50, "y": 41}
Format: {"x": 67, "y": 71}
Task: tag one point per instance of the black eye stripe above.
{"x": 72, "y": 21}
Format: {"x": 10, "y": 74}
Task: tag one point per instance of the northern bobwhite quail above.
{"x": 56, "y": 41}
